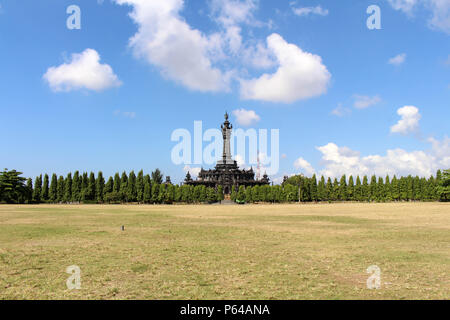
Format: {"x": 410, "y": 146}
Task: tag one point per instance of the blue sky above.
{"x": 346, "y": 99}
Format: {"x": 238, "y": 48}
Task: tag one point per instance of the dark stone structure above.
{"x": 226, "y": 173}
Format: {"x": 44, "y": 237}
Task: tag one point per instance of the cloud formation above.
{"x": 304, "y": 11}
{"x": 230, "y": 14}
{"x": 341, "y": 160}
{"x": 84, "y": 71}
{"x": 439, "y": 9}
{"x": 209, "y": 63}
{"x": 181, "y": 53}
{"x": 192, "y": 171}
{"x": 398, "y": 59}
{"x": 305, "y": 166}
{"x": 245, "y": 117}
{"x": 126, "y": 114}
{"x": 409, "y": 121}
{"x": 341, "y": 111}
{"x": 363, "y": 102}
{"x": 300, "y": 75}
{"x": 406, "y": 6}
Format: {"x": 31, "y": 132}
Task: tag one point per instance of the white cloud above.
{"x": 409, "y": 121}
{"x": 341, "y": 160}
{"x": 259, "y": 56}
{"x": 304, "y": 11}
{"x": 300, "y": 75}
{"x": 362, "y": 102}
{"x": 398, "y": 59}
{"x": 241, "y": 161}
{"x": 440, "y": 11}
{"x": 304, "y": 165}
{"x": 406, "y": 6}
{"x": 182, "y": 53}
{"x": 192, "y": 171}
{"x": 83, "y": 71}
{"x": 441, "y": 15}
{"x": 126, "y": 114}
{"x": 246, "y": 117}
{"x": 341, "y": 111}
{"x": 230, "y": 14}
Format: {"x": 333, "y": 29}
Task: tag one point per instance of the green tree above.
{"x": 321, "y": 190}
{"x": 373, "y": 188}
{"x": 350, "y": 189}
{"x": 177, "y": 194}
{"x": 336, "y": 189}
{"x": 37, "y": 189}
{"x": 202, "y": 195}
{"x": 116, "y": 187}
{"x": 29, "y": 190}
{"x": 90, "y": 192}
{"x": 147, "y": 196}
{"x": 140, "y": 186}
{"x": 211, "y": 195}
{"x": 157, "y": 176}
{"x": 45, "y": 189}
{"x": 12, "y": 187}
{"x": 388, "y": 189}
{"x": 220, "y": 195}
{"x": 186, "y": 195}
{"x": 155, "y": 193}
{"x": 255, "y": 194}
{"x": 76, "y": 187}
{"x": 329, "y": 190}
{"x": 99, "y": 187}
{"x": 357, "y": 195}
{"x": 109, "y": 186}
{"x": 241, "y": 194}
{"x": 161, "y": 193}
{"x": 170, "y": 194}
{"x": 68, "y": 188}
{"x": 365, "y": 189}
{"x": 84, "y": 187}
{"x": 313, "y": 188}
{"x": 342, "y": 191}
{"x": 60, "y": 189}
{"x": 53, "y": 191}
{"x": 395, "y": 189}
{"x": 131, "y": 187}
{"x": 248, "y": 194}
{"x": 380, "y": 197}
{"x": 443, "y": 189}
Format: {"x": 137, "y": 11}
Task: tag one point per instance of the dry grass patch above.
{"x": 226, "y": 252}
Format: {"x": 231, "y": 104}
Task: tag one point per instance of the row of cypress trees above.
{"x": 378, "y": 189}
{"x": 84, "y": 188}
{"x": 88, "y": 188}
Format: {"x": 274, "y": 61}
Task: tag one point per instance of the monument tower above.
{"x": 226, "y": 173}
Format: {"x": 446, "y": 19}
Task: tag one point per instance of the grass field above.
{"x": 317, "y": 251}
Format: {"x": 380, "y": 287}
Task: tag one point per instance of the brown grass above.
{"x": 316, "y": 251}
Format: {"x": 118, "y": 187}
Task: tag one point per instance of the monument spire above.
{"x": 226, "y": 134}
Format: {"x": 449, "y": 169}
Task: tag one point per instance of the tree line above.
{"x": 378, "y": 189}
{"x": 149, "y": 188}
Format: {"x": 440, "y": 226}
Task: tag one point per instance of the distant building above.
{"x": 226, "y": 173}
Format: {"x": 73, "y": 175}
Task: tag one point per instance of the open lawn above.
{"x": 310, "y": 251}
